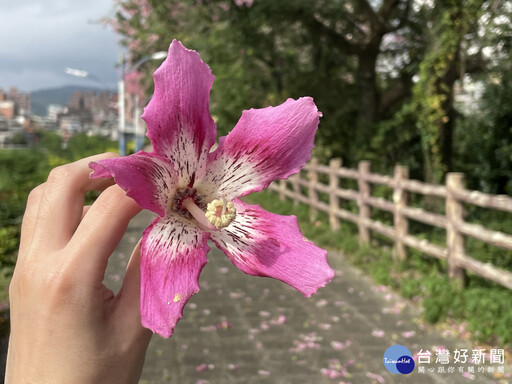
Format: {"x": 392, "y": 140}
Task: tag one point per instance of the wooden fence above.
{"x": 452, "y": 221}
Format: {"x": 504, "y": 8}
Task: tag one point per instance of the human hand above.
{"x": 66, "y": 326}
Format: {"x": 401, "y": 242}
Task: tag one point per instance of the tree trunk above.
{"x": 446, "y": 131}
{"x": 368, "y": 96}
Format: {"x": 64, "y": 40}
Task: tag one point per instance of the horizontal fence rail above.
{"x": 453, "y": 193}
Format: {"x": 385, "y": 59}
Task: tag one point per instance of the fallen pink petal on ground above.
{"x": 468, "y": 376}
{"x": 375, "y": 376}
{"x": 408, "y": 334}
{"x": 378, "y": 333}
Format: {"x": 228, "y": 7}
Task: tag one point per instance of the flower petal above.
{"x": 266, "y": 144}
{"x": 146, "y": 177}
{"x": 265, "y": 244}
{"x": 179, "y": 123}
{"x": 173, "y": 253}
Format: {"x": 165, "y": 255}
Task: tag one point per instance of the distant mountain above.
{"x": 40, "y": 100}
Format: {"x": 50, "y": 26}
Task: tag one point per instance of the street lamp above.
{"x": 139, "y": 130}
{"x": 84, "y": 74}
{"x": 76, "y": 72}
{"x": 121, "y": 102}
{"x": 155, "y": 56}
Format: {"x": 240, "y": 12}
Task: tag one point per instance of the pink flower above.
{"x": 247, "y": 3}
{"x": 133, "y": 84}
{"x": 375, "y": 376}
{"x": 182, "y": 178}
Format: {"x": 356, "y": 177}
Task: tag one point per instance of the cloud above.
{"x": 40, "y": 39}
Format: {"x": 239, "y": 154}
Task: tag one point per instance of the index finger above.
{"x": 62, "y": 200}
{"x": 99, "y": 233}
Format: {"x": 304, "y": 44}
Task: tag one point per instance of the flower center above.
{"x": 220, "y": 213}
{"x": 176, "y": 203}
{"x": 188, "y": 203}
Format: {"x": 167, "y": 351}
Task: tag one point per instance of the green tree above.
{"x": 433, "y": 94}
{"x": 484, "y": 137}
{"x": 357, "y": 58}
{"x": 265, "y": 51}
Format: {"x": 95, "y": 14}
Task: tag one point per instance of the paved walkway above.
{"x": 244, "y": 329}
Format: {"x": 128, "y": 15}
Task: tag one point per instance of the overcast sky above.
{"x": 39, "y": 39}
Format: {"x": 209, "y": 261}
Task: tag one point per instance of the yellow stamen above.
{"x": 220, "y": 213}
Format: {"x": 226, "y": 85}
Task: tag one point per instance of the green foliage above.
{"x": 9, "y": 245}
{"x": 82, "y": 145}
{"x": 20, "y": 171}
{"x": 484, "y": 137}
{"x": 488, "y": 314}
{"x": 24, "y": 169}
{"x": 49, "y": 141}
{"x": 433, "y": 93}
{"x": 442, "y": 297}
{"x": 268, "y": 51}
{"x": 359, "y": 69}
{"x": 19, "y": 138}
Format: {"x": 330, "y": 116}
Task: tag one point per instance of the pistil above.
{"x": 219, "y": 213}
{"x": 198, "y": 214}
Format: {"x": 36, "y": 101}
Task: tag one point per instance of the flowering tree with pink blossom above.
{"x": 357, "y": 58}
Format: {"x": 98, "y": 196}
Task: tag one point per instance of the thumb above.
{"x": 128, "y": 306}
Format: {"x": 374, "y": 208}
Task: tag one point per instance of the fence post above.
{"x": 282, "y": 188}
{"x": 312, "y": 194}
{"x": 334, "y": 205}
{"x": 454, "y": 215}
{"x": 400, "y": 221}
{"x": 295, "y": 186}
{"x": 364, "y": 209}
